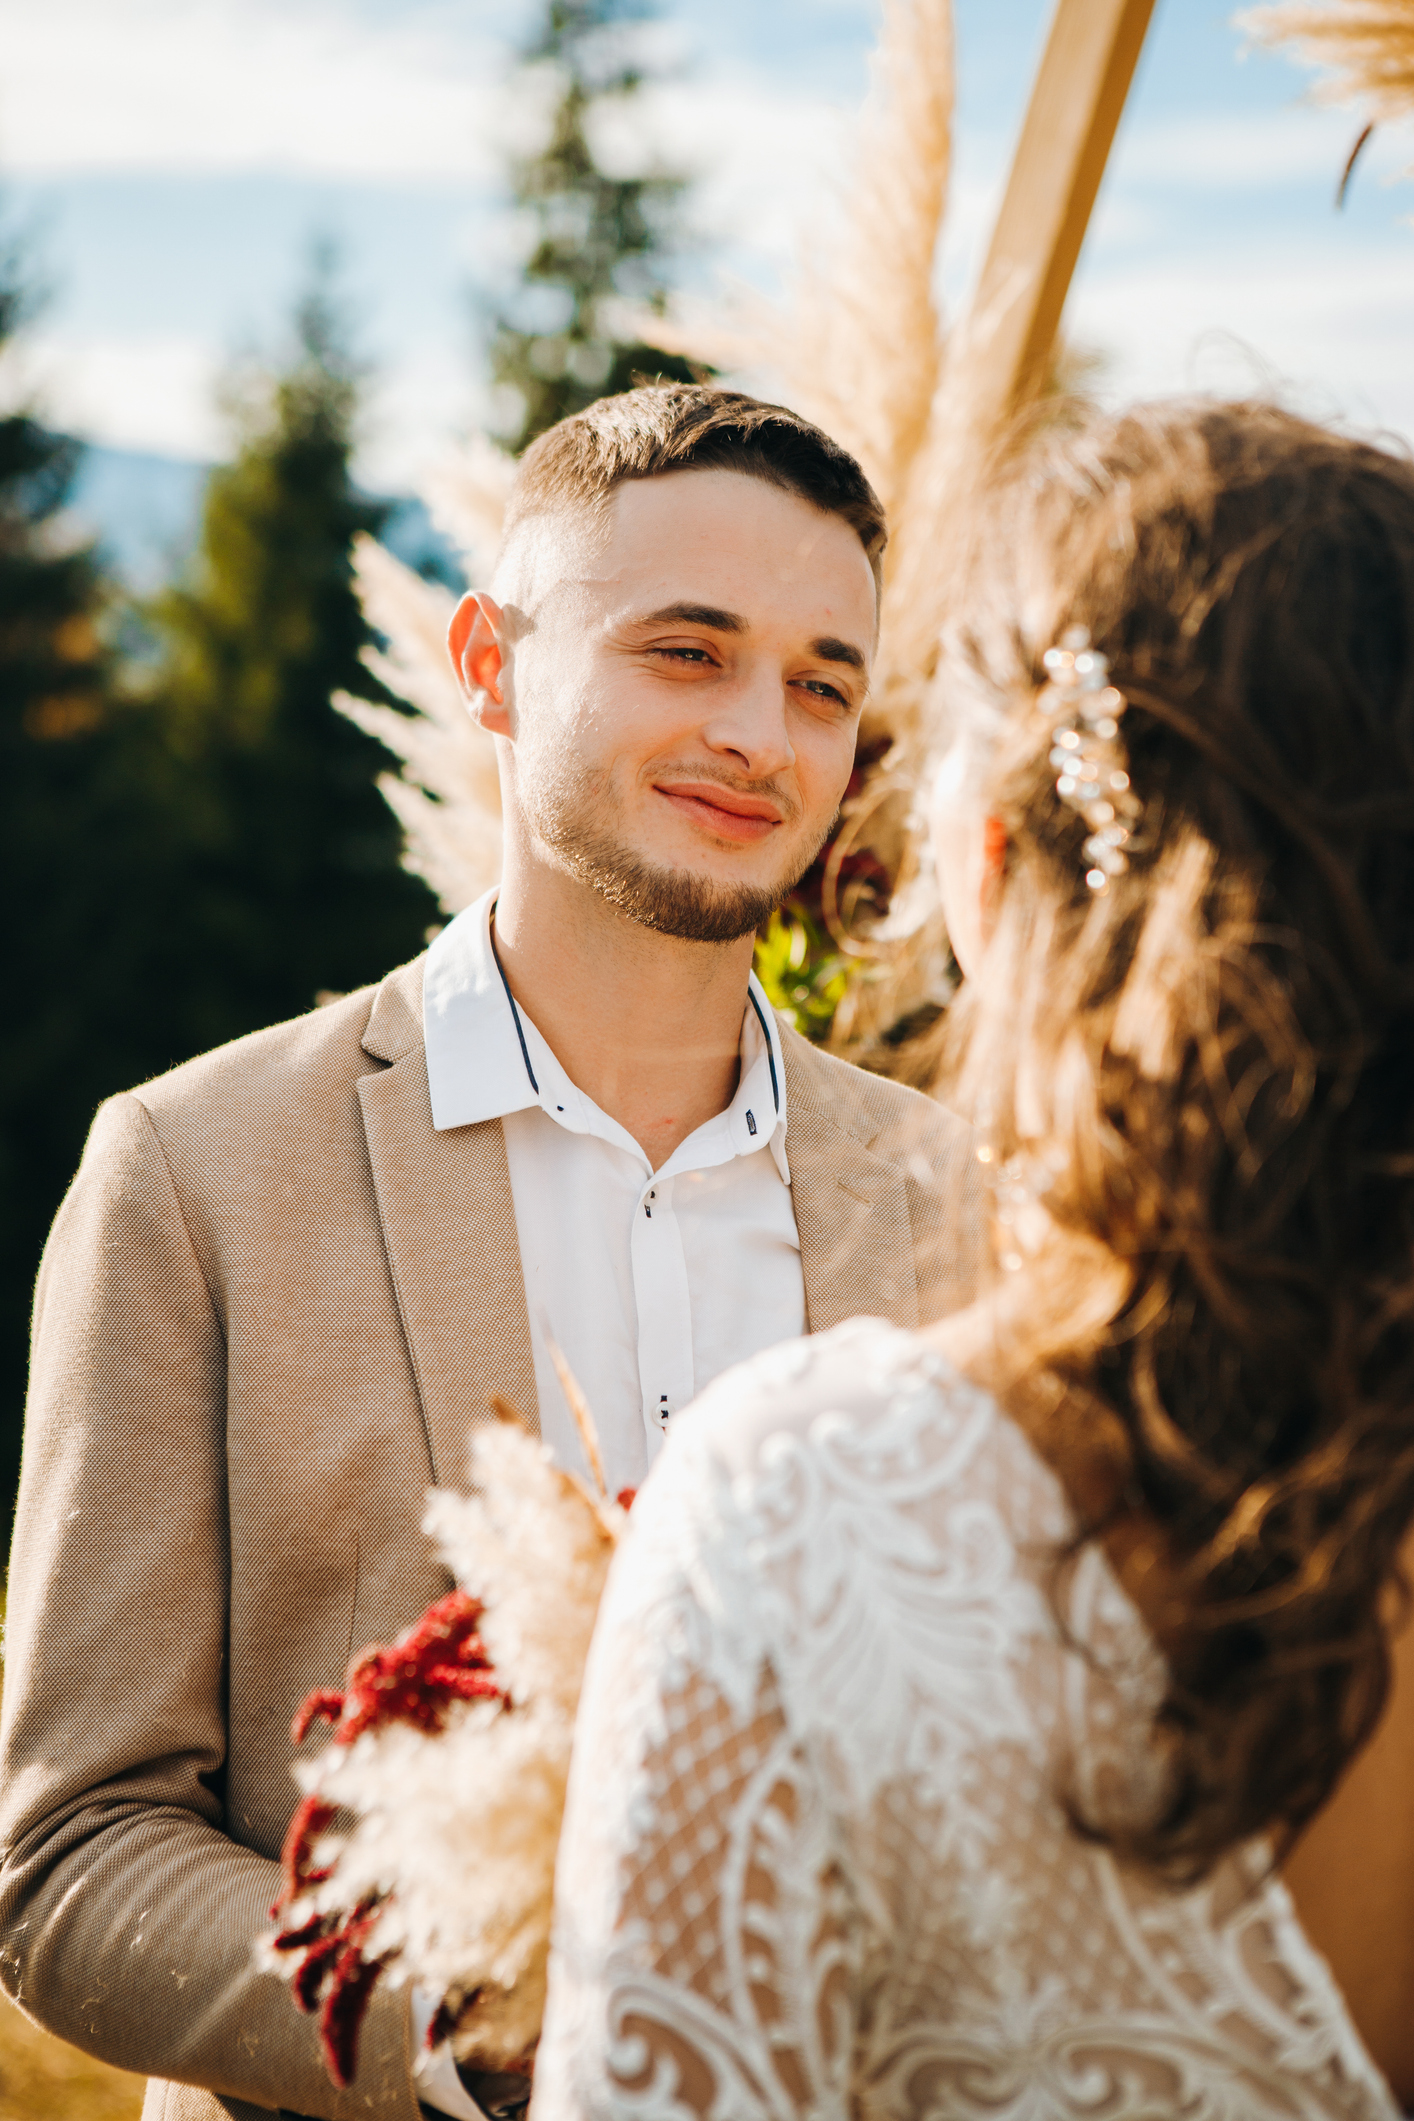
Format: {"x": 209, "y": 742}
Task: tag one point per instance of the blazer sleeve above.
{"x": 128, "y": 1918}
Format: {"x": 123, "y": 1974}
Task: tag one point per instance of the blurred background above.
{"x": 262, "y": 262}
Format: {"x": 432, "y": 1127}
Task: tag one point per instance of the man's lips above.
{"x": 723, "y": 811}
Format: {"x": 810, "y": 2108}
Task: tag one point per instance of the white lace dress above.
{"x": 815, "y": 1861}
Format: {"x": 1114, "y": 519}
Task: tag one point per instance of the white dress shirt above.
{"x": 651, "y": 1283}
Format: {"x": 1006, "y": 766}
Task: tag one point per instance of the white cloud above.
{"x": 180, "y": 86}
{"x": 346, "y": 90}
{"x": 1250, "y": 150}
{"x": 206, "y": 85}
{"x": 414, "y": 410}
{"x": 763, "y": 162}
{"x": 1328, "y": 327}
{"x": 133, "y": 392}
{"x": 161, "y": 393}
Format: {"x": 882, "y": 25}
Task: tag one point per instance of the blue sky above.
{"x": 174, "y": 159}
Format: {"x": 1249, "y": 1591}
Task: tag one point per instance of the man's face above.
{"x": 682, "y": 696}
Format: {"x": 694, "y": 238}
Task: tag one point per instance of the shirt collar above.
{"x": 475, "y": 1067}
{"x": 756, "y": 1116}
{"x": 482, "y": 1052}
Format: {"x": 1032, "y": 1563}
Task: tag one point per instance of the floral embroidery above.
{"x": 815, "y": 1859}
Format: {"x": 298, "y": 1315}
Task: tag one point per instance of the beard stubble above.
{"x": 570, "y": 813}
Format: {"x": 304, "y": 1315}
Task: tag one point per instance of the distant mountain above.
{"x": 145, "y": 511}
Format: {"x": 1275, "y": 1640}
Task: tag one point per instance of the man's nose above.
{"x": 748, "y": 720}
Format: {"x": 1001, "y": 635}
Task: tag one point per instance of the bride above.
{"x": 1016, "y": 1718}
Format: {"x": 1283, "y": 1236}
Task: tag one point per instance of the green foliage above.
{"x": 188, "y": 861}
{"x": 56, "y": 793}
{"x": 597, "y": 237}
{"x": 804, "y": 975}
{"x": 798, "y": 960}
{"x": 291, "y": 871}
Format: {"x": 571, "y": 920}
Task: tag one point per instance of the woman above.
{"x": 958, "y": 1694}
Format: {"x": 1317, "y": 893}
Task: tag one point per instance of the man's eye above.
{"x": 683, "y": 655}
{"x": 825, "y": 691}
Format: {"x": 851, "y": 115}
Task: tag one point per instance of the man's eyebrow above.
{"x": 827, "y": 648}
{"x": 830, "y": 650}
{"x": 696, "y": 615}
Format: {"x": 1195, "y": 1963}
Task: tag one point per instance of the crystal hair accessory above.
{"x": 1087, "y": 752}
{"x": 1021, "y": 1222}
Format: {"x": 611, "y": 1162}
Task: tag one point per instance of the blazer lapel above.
{"x": 449, "y": 1229}
{"x": 851, "y": 1213}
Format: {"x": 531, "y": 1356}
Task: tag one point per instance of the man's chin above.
{"x": 689, "y": 904}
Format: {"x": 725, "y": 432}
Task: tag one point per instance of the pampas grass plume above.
{"x": 466, "y": 495}
{"x": 460, "y": 1830}
{"x": 1366, "y": 48}
{"x": 447, "y": 797}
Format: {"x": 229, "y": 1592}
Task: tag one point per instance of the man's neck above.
{"x": 646, "y": 1025}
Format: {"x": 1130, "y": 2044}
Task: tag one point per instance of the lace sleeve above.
{"x": 702, "y": 1958}
{"x": 817, "y": 1858}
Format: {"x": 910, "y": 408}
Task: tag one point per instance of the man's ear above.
{"x": 474, "y": 641}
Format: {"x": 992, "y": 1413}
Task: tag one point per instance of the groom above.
{"x": 289, "y": 1274}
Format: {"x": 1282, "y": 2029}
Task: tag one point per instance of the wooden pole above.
{"x": 1004, "y": 346}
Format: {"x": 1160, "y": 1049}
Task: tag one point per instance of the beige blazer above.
{"x": 273, "y": 1302}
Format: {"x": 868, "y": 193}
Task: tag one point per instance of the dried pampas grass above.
{"x": 447, "y": 1859}
{"x": 447, "y": 795}
{"x": 859, "y": 343}
{"x": 466, "y": 496}
{"x": 1365, "y": 48}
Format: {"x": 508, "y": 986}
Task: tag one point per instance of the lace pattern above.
{"x": 815, "y": 1861}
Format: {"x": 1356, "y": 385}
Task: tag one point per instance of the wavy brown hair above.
{"x": 1211, "y": 1066}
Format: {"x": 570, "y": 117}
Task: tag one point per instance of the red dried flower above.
{"x": 311, "y": 1817}
{"x": 322, "y": 1706}
{"x": 347, "y": 1995}
{"x": 439, "y": 1661}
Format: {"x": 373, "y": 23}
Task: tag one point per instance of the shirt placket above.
{"x": 664, "y": 1309}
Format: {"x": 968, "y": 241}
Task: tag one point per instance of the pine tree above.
{"x": 292, "y": 877}
{"x": 190, "y": 858}
{"x": 54, "y": 748}
{"x": 598, "y": 238}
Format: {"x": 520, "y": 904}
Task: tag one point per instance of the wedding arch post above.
{"x": 1004, "y": 345}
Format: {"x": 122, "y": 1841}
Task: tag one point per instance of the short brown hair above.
{"x": 642, "y": 434}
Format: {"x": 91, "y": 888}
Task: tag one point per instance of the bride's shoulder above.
{"x": 865, "y": 1392}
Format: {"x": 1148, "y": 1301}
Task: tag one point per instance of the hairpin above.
{"x": 1087, "y": 753}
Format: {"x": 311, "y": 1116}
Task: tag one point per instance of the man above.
{"x": 289, "y": 1274}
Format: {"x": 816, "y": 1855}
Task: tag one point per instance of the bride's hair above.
{"x": 1205, "y": 1073}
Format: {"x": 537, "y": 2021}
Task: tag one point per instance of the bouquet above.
{"x": 424, "y": 1849}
